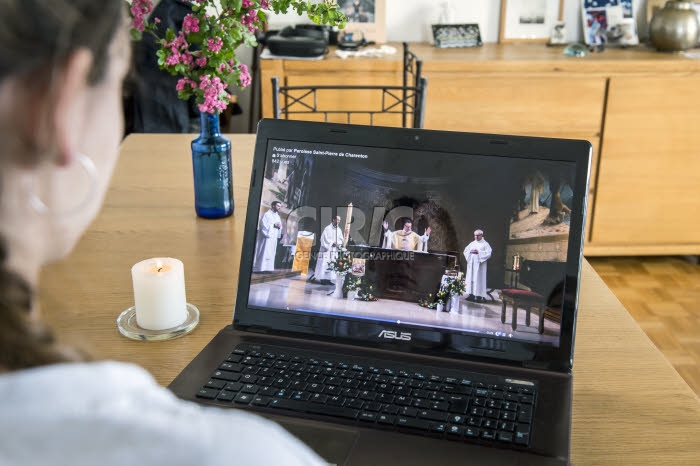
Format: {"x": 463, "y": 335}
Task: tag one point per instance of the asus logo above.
{"x": 392, "y": 335}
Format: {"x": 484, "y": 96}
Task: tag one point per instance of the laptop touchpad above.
{"x": 333, "y": 444}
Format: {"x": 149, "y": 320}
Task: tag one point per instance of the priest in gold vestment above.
{"x": 405, "y": 239}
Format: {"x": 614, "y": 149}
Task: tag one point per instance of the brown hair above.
{"x": 40, "y": 34}
{"x": 35, "y": 36}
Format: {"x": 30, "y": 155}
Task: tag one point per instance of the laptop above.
{"x": 432, "y": 322}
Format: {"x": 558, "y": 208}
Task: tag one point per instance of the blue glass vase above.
{"x": 211, "y": 167}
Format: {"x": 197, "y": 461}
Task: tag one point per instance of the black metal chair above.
{"x": 408, "y": 100}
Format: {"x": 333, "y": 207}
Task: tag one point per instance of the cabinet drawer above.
{"x": 532, "y": 106}
{"x": 649, "y": 175}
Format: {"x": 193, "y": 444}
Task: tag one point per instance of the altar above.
{"x": 404, "y": 275}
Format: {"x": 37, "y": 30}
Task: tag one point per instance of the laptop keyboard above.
{"x": 433, "y": 401}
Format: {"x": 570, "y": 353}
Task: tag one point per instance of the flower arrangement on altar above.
{"x": 428, "y": 301}
{"x": 203, "y": 52}
{"x": 367, "y": 291}
{"x": 342, "y": 262}
{"x": 432, "y": 300}
{"x": 352, "y": 283}
{"x": 363, "y": 286}
{"x": 454, "y": 286}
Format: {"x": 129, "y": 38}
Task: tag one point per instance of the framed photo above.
{"x": 456, "y": 35}
{"x": 365, "y": 17}
{"x": 609, "y": 22}
{"x": 529, "y": 20}
{"x": 558, "y": 35}
{"x": 697, "y": 13}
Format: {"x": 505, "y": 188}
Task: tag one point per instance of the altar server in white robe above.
{"x": 476, "y": 254}
{"x": 331, "y": 238}
{"x": 269, "y": 233}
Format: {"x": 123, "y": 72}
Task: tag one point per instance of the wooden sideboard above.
{"x": 639, "y": 108}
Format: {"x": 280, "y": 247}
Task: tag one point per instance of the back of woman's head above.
{"x": 37, "y": 36}
{"x": 37, "y": 39}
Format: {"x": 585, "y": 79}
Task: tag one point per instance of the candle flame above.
{"x": 159, "y": 266}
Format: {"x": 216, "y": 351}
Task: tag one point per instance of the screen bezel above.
{"x": 424, "y": 341}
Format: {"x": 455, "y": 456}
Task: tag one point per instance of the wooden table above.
{"x": 630, "y": 405}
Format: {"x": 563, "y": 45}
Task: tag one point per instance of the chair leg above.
{"x": 540, "y": 327}
{"x": 503, "y": 313}
{"x": 488, "y": 292}
{"x": 514, "y": 323}
{"x": 527, "y": 316}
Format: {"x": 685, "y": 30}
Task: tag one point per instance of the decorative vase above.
{"x": 674, "y": 27}
{"x": 440, "y": 307}
{"x": 211, "y": 167}
{"x": 454, "y": 303}
{"x": 339, "y": 282}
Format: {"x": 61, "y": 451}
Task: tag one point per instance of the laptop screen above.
{"x": 463, "y": 243}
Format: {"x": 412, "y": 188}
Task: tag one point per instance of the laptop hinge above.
{"x": 257, "y": 329}
{"x": 546, "y": 366}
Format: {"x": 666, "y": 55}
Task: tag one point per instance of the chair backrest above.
{"x": 542, "y": 276}
{"x": 412, "y": 68}
{"x": 373, "y": 104}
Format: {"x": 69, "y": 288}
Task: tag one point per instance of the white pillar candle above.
{"x": 159, "y": 293}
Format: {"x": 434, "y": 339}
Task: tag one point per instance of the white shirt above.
{"x": 109, "y": 413}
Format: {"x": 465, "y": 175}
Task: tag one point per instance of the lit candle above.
{"x": 348, "y": 221}
{"x": 159, "y": 293}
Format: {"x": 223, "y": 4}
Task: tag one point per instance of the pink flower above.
{"x": 265, "y": 4}
{"x": 214, "y": 45}
{"x": 173, "y": 59}
{"x": 201, "y": 62}
{"x": 244, "y": 75}
{"x": 186, "y": 58}
{"x": 247, "y": 3}
{"x": 190, "y": 24}
{"x": 178, "y": 43}
{"x": 249, "y": 19}
{"x": 157, "y": 20}
{"x": 137, "y": 23}
{"x": 182, "y": 82}
{"x": 139, "y": 10}
{"x": 215, "y": 95}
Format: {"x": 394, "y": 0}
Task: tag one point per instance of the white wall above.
{"x": 410, "y": 20}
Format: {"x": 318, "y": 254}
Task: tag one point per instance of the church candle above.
{"x": 159, "y": 293}
{"x": 348, "y": 220}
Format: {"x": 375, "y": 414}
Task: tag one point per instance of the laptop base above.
{"x": 350, "y": 443}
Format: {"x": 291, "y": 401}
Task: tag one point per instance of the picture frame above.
{"x": 529, "y": 20}
{"x": 558, "y": 34}
{"x": 365, "y": 17}
{"x": 609, "y": 23}
{"x": 456, "y": 35}
{"x": 696, "y": 5}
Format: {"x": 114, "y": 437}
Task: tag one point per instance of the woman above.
{"x": 62, "y": 63}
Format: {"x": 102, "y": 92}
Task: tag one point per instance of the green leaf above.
{"x": 195, "y": 38}
{"x": 135, "y": 34}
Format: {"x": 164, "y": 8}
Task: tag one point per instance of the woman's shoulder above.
{"x": 109, "y": 412}
{"x": 103, "y": 373}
